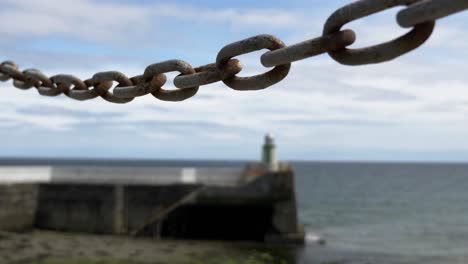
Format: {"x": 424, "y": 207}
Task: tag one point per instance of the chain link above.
{"x": 424, "y": 11}
{"x": 245, "y": 46}
{"x": 178, "y": 95}
{"x": 208, "y": 74}
{"x": 420, "y": 15}
{"x": 313, "y": 47}
{"x": 140, "y": 87}
{"x": 378, "y": 53}
{"x": 103, "y": 82}
{"x": 3, "y": 74}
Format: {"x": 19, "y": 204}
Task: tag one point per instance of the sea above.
{"x": 384, "y": 212}
{"x": 367, "y": 212}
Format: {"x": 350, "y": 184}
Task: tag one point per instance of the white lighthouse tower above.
{"x": 269, "y": 153}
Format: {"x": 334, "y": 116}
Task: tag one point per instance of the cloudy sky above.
{"x": 413, "y": 108}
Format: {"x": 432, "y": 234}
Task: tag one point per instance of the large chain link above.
{"x": 420, "y": 15}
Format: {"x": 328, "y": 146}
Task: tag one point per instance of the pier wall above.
{"x": 18, "y": 205}
{"x": 256, "y": 206}
{"x": 77, "y": 208}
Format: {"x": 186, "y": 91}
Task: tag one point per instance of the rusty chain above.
{"x": 420, "y": 15}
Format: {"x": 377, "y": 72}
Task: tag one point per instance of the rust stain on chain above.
{"x": 378, "y": 53}
{"x": 245, "y": 46}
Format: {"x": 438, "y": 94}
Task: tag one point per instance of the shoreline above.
{"x": 41, "y": 246}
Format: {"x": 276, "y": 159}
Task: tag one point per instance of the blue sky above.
{"x": 413, "y": 108}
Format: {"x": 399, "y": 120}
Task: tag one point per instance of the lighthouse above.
{"x": 269, "y": 153}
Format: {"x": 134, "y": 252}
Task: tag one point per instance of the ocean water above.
{"x": 368, "y": 212}
{"x": 387, "y": 213}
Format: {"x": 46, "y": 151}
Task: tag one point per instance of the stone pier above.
{"x": 253, "y": 204}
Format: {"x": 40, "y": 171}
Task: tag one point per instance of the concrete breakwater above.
{"x": 18, "y": 204}
{"x": 253, "y": 204}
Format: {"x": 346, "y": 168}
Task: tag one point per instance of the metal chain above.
{"x": 420, "y": 15}
{"x": 424, "y": 11}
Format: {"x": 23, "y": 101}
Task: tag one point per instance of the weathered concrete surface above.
{"x": 24, "y": 174}
{"x": 266, "y": 188}
{"x": 78, "y": 208}
{"x": 143, "y": 202}
{"x": 102, "y": 175}
{"x": 17, "y": 207}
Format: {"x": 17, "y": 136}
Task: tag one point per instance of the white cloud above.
{"x": 97, "y": 21}
{"x": 237, "y": 18}
{"x": 158, "y": 135}
{"x": 78, "y": 18}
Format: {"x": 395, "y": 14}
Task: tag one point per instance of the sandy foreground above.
{"x": 37, "y": 245}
